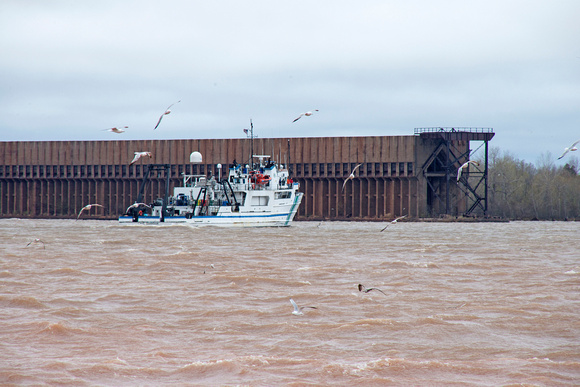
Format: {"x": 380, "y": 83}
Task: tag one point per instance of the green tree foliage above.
{"x": 520, "y": 190}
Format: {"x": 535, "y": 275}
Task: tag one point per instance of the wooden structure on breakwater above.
{"x": 400, "y": 175}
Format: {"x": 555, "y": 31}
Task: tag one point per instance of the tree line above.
{"x": 524, "y": 191}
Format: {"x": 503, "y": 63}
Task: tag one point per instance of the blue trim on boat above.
{"x": 214, "y": 216}
{"x": 237, "y": 216}
{"x": 296, "y": 199}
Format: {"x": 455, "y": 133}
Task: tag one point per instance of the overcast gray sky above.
{"x": 372, "y": 67}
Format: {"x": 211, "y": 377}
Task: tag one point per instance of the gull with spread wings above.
{"x": 136, "y": 205}
{"x": 36, "y": 240}
{"x": 351, "y": 176}
{"x": 116, "y": 129}
{"x": 87, "y": 207}
{"x": 394, "y": 221}
{"x": 464, "y": 166}
{"x": 362, "y": 288}
{"x": 307, "y": 114}
{"x": 138, "y": 155}
{"x": 571, "y": 148}
{"x": 298, "y": 309}
{"x": 166, "y": 112}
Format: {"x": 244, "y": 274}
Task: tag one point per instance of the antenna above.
{"x": 251, "y": 144}
{"x": 289, "y": 169}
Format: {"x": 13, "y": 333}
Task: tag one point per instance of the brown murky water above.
{"x": 465, "y": 304}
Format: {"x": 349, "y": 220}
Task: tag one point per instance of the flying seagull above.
{"x": 361, "y": 288}
{"x": 116, "y": 130}
{"x": 166, "y": 112}
{"x": 36, "y": 241}
{"x": 351, "y": 176}
{"x": 572, "y": 148}
{"x": 307, "y": 114}
{"x": 136, "y": 205}
{"x": 298, "y": 309}
{"x": 87, "y": 207}
{"x": 138, "y": 155}
{"x": 394, "y": 221}
{"x": 464, "y": 166}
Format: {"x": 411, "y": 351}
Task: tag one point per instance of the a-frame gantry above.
{"x": 452, "y": 177}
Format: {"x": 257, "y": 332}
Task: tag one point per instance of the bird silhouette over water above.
{"x": 362, "y": 288}
{"x": 87, "y": 207}
{"x": 394, "y": 221}
{"x": 36, "y": 240}
{"x": 298, "y": 309}
{"x": 166, "y": 112}
{"x": 351, "y": 176}
{"x": 307, "y": 114}
{"x": 571, "y": 148}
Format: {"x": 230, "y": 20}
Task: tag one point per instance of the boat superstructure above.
{"x": 260, "y": 193}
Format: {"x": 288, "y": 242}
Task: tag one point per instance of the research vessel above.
{"x": 257, "y": 194}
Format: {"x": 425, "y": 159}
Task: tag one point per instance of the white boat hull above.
{"x": 265, "y": 219}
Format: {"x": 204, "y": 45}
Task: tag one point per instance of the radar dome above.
{"x": 195, "y": 157}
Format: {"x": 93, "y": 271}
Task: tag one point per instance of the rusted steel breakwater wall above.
{"x": 55, "y": 179}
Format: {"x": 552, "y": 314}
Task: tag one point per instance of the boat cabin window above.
{"x": 283, "y": 195}
{"x": 259, "y": 200}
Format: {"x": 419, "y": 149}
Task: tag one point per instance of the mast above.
{"x": 289, "y": 169}
{"x": 251, "y": 144}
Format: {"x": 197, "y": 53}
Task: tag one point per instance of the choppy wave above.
{"x": 464, "y": 304}
{"x": 26, "y": 302}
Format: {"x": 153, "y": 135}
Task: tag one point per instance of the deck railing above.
{"x": 453, "y": 129}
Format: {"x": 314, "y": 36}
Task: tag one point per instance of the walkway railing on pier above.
{"x": 456, "y": 133}
{"x": 453, "y": 129}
